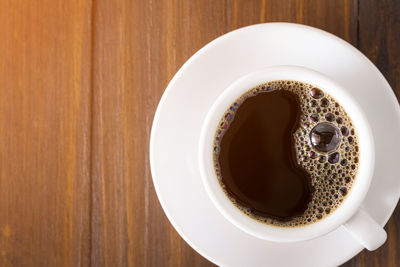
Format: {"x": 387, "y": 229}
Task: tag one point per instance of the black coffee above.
{"x": 286, "y": 153}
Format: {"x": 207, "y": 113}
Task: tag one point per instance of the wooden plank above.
{"x": 44, "y": 132}
{"x": 379, "y": 39}
{"x": 109, "y": 226}
{"x": 138, "y": 47}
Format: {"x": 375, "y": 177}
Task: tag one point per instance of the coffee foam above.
{"x": 331, "y": 181}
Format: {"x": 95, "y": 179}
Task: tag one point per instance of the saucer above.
{"x": 189, "y": 96}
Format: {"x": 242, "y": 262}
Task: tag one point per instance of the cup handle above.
{"x": 365, "y": 230}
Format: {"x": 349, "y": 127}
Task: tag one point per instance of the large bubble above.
{"x": 325, "y": 137}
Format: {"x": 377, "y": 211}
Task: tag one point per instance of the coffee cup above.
{"x": 349, "y": 214}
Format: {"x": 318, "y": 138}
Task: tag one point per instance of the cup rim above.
{"x": 359, "y": 189}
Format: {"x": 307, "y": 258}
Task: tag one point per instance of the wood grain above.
{"x": 79, "y": 84}
{"x": 45, "y": 91}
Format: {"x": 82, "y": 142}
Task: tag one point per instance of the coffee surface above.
{"x": 258, "y": 160}
{"x": 286, "y": 153}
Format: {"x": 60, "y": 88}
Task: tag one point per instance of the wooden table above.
{"x": 79, "y": 84}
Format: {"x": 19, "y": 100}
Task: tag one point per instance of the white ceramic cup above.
{"x": 349, "y": 214}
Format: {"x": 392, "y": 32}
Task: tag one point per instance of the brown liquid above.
{"x": 258, "y": 162}
{"x": 286, "y": 153}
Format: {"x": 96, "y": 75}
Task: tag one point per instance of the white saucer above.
{"x": 188, "y": 97}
